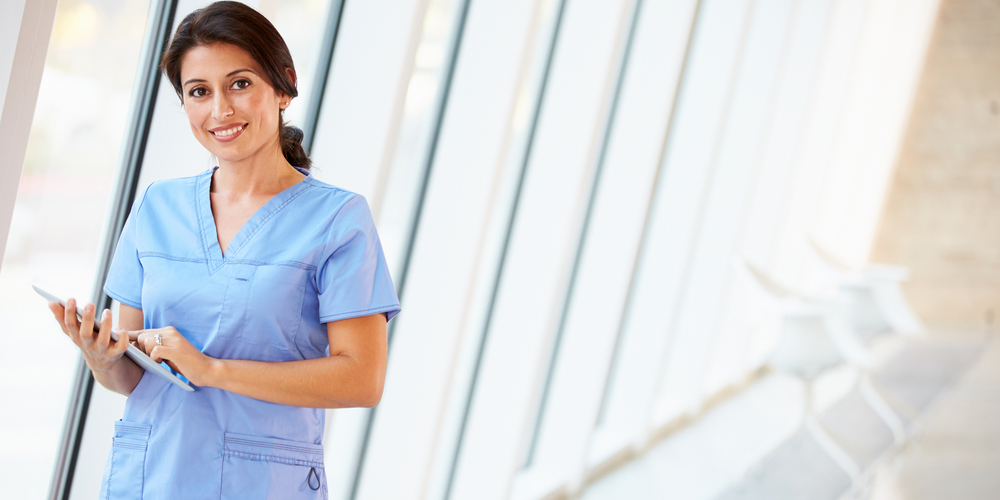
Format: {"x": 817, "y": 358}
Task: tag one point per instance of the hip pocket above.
{"x": 127, "y": 468}
{"x": 260, "y": 467}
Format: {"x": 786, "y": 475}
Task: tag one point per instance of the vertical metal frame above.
{"x": 582, "y": 237}
{"x": 646, "y": 227}
{"x": 330, "y": 33}
{"x": 442, "y": 104}
{"x": 158, "y": 32}
{"x": 536, "y": 113}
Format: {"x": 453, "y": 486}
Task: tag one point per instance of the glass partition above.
{"x": 58, "y": 224}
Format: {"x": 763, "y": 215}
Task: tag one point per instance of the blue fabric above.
{"x": 310, "y": 255}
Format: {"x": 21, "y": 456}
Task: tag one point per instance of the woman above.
{"x": 264, "y": 287}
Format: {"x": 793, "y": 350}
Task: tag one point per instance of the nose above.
{"x": 222, "y": 108}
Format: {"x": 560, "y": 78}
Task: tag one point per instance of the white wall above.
{"x": 24, "y": 38}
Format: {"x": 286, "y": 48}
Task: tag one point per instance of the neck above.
{"x": 259, "y": 174}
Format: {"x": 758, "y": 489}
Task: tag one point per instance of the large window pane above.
{"x": 58, "y": 224}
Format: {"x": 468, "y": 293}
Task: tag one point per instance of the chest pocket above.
{"x": 263, "y": 305}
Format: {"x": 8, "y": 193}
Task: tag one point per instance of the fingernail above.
{"x": 89, "y": 308}
{"x": 71, "y": 303}
{"x": 106, "y": 314}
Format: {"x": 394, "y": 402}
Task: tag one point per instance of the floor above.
{"x": 955, "y": 453}
{"x": 751, "y": 446}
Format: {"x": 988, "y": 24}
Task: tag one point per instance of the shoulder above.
{"x": 337, "y": 204}
{"x": 169, "y": 190}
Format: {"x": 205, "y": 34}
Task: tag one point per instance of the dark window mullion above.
{"x": 336, "y": 13}
{"x": 159, "y": 29}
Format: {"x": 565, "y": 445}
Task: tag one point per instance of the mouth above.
{"x": 229, "y": 133}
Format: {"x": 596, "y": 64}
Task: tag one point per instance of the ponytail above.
{"x": 291, "y": 146}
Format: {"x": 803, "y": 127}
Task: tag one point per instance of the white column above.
{"x": 413, "y": 437}
{"x": 24, "y": 39}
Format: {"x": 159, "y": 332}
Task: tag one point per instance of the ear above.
{"x": 285, "y": 98}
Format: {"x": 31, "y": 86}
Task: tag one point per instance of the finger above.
{"x": 148, "y": 342}
{"x": 59, "y": 312}
{"x": 87, "y": 326}
{"x": 140, "y": 340}
{"x": 69, "y": 319}
{"x": 134, "y": 336}
{"x": 121, "y": 345}
{"x": 104, "y": 337}
{"x": 156, "y": 353}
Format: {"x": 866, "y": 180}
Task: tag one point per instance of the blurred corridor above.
{"x": 677, "y": 249}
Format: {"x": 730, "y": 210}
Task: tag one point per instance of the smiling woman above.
{"x": 270, "y": 334}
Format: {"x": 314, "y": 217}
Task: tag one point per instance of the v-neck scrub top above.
{"x": 310, "y": 255}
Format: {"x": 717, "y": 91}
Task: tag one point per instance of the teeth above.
{"x": 227, "y": 133}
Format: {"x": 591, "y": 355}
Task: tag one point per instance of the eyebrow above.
{"x": 231, "y": 73}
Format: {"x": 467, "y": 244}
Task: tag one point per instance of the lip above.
{"x": 241, "y": 128}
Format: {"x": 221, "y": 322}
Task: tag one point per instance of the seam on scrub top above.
{"x": 329, "y": 231}
{"x": 258, "y": 263}
{"x": 273, "y": 458}
{"x": 201, "y": 219}
{"x": 135, "y": 428}
{"x": 333, "y": 317}
{"x": 268, "y": 444}
{"x": 283, "y": 263}
{"x": 172, "y": 257}
{"x": 117, "y": 296}
{"x": 267, "y": 217}
{"x": 111, "y": 472}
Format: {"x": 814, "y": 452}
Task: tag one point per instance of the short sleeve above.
{"x": 124, "y": 282}
{"x": 353, "y": 278}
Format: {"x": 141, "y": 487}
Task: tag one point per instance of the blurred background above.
{"x": 692, "y": 249}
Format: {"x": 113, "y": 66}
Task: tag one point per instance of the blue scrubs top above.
{"x": 310, "y": 255}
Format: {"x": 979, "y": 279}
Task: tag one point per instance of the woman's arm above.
{"x": 353, "y": 374}
{"x": 104, "y": 356}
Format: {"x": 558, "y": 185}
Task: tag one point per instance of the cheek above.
{"x": 264, "y": 107}
{"x": 196, "y": 114}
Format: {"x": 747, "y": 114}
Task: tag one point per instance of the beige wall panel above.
{"x": 942, "y": 216}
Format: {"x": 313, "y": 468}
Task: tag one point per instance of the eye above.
{"x": 241, "y": 84}
{"x": 198, "y": 92}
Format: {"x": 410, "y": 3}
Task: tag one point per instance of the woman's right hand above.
{"x": 99, "y": 351}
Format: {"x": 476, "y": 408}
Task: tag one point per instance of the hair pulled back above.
{"x": 236, "y": 24}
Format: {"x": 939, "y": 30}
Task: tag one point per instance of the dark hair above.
{"x": 236, "y": 24}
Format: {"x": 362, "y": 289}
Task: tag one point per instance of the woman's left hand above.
{"x": 177, "y": 351}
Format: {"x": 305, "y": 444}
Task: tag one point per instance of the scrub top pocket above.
{"x": 124, "y": 478}
{"x": 260, "y": 467}
{"x": 263, "y": 305}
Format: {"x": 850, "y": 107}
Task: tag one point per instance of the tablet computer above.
{"x": 133, "y": 352}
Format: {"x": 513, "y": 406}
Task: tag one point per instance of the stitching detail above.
{"x": 117, "y": 296}
{"x": 272, "y": 458}
{"x": 264, "y": 221}
{"x": 279, "y": 446}
{"x": 201, "y": 218}
{"x": 171, "y": 257}
{"x": 258, "y": 263}
{"x": 362, "y": 312}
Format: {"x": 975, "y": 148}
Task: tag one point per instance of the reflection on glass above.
{"x": 57, "y": 224}
{"x": 420, "y": 114}
{"x": 301, "y": 24}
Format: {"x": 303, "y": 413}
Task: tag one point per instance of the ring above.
{"x": 158, "y": 339}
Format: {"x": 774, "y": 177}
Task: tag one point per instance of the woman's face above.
{"x": 232, "y": 109}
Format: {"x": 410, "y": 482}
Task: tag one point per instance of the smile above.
{"x": 229, "y": 132}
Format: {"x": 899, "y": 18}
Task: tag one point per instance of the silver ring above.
{"x": 158, "y": 339}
